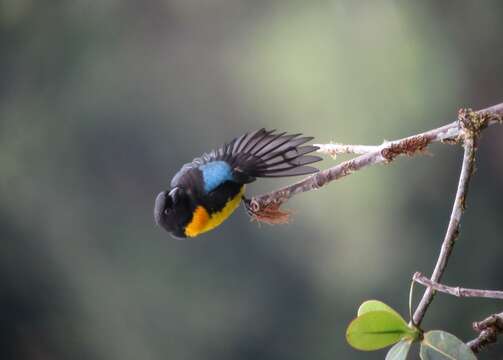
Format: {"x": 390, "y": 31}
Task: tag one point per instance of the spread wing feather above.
{"x": 261, "y": 153}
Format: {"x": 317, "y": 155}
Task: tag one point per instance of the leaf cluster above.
{"x": 377, "y": 326}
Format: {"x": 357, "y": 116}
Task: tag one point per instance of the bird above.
{"x": 206, "y": 191}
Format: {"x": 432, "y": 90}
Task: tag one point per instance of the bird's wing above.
{"x": 264, "y": 153}
{"x": 255, "y": 154}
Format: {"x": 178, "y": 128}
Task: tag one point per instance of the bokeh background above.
{"x": 102, "y": 101}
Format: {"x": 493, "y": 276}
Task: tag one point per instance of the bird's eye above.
{"x": 166, "y": 211}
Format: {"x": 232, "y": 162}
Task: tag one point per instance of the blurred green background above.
{"x": 101, "y": 102}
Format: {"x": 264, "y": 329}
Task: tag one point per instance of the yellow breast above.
{"x": 202, "y": 221}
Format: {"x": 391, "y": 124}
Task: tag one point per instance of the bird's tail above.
{"x": 265, "y": 154}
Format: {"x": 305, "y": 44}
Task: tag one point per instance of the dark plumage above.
{"x": 207, "y": 190}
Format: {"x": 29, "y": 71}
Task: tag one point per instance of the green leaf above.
{"x": 377, "y": 329}
{"x": 375, "y": 305}
{"x": 440, "y": 345}
{"x": 399, "y": 351}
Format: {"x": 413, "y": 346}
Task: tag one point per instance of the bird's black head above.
{"x": 173, "y": 211}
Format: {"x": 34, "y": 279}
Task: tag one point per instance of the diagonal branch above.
{"x": 264, "y": 207}
{"x": 457, "y": 291}
{"x": 457, "y": 210}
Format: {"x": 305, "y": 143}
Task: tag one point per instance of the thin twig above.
{"x": 453, "y": 228}
{"x": 263, "y": 207}
{"x": 457, "y": 291}
{"x": 335, "y": 149}
{"x": 488, "y": 330}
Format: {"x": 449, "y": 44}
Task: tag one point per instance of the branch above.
{"x": 457, "y": 210}
{"x": 335, "y": 149}
{"x": 457, "y": 291}
{"x": 266, "y": 207}
{"x": 488, "y": 330}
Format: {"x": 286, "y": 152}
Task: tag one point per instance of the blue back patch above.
{"x": 215, "y": 173}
